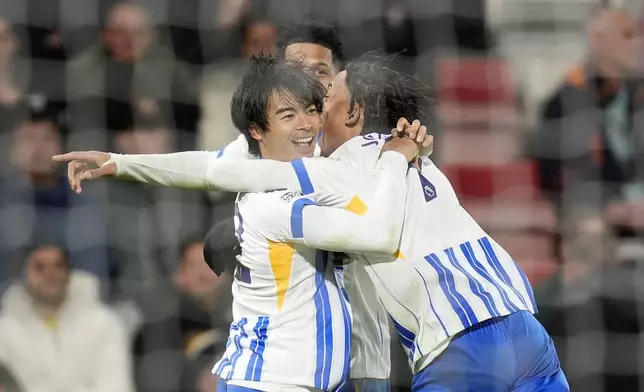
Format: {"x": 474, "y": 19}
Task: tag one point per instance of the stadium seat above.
{"x": 512, "y": 215}
{"x": 515, "y": 180}
{"x": 532, "y": 251}
{"x": 475, "y": 92}
{"x": 463, "y": 146}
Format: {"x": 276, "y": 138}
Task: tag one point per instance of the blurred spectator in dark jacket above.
{"x": 590, "y": 127}
{"x": 35, "y": 200}
{"x": 174, "y": 350}
{"x": 589, "y": 245}
{"x": 592, "y": 308}
{"x": 130, "y": 66}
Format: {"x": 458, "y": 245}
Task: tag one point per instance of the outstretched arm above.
{"x": 230, "y": 169}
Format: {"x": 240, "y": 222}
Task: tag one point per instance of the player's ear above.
{"x": 256, "y": 134}
{"x": 355, "y": 115}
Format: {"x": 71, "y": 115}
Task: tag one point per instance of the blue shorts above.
{"x": 511, "y": 353}
{"x": 366, "y": 385}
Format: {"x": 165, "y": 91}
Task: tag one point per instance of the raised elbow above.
{"x": 384, "y": 240}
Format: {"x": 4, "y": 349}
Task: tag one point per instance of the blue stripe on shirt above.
{"x": 297, "y": 229}
{"x": 323, "y": 325}
{"x": 238, "y": 347}
{"x": 257, "y": 347}
{"x": 467, "y": 250}
{"x": 431, "y": 303}
{"x": 446, "y": 281}
{"x": 225, "y": 361}
{"x": 342, "y": 297}
{"x": 498, "y": 268}
{"x": 475, "y": 285}
{"x": 528, "y": 288}
{"x": 407, "y": 337}
{"x": 302, "y": 176}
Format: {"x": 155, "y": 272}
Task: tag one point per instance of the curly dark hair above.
{"x": 386, "y": 94}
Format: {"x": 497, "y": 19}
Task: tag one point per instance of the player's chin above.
{"x": 304, "y": 150}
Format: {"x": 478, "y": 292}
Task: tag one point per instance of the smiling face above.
{"x": 291, "y": 129}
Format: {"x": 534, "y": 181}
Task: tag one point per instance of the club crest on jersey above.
{"x": 429, "y": 190}
{"x": 289, "y": 196}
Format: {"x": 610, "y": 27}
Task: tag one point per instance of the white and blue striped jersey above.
{"x": 448, "y": 274}
{"x": 292, "y": 316}
{"x": 370, "y": 343}
{"x": 292, "y": 325}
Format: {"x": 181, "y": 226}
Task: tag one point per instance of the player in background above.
{"x": 462, "y": 307}
{"x": 320, "y": 49}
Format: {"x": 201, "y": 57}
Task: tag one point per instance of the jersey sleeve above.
{"x": 233, "y": 170}
{"x": 376, "y": 231}
{"x": 188, "y": 169}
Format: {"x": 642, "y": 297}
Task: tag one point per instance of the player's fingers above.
{"x": 422, "y": 134}
{"x": 394, "y": 132}
{"x": 402, "y": 125}
{"x": 413, "y": 130}
{"x": 75, "y": 156}
{"x": 70, "y": 174}
{"x": 428, "y": 142}
{"x": 103, "y": 171}
{"x": 73, "y": 168}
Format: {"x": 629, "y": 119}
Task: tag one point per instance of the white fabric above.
{"x": 370, "y": 353}
{"x": 87, "y": 352}
{"x": 289, "y": 302}
{"x": 450, "y": 275}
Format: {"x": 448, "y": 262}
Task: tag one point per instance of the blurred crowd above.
{"x": 107, "y": 290}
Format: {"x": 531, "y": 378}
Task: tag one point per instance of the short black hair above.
{"x": 43, "y": 243}
{"x": 386, "y": 94}
{"x": 265, "y": 76}
{"x": 312, "y": 33}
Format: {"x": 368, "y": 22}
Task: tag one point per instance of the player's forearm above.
{"x": 378, "y": 230}
{"x": 187, "y": 169}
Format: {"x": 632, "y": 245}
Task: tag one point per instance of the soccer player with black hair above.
{"x": 462, "y": 307}
{"x": 293, "y": 321}
{"x": 318, "y": 47}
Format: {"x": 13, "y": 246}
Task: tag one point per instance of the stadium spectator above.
{"x": 590, "y": 308}
{"x": 55, "y": 334}
{"x": 220, "y": 80}
{"x": 147, "y": 225}
{"x": 588, "y": 125}
{"x": 129, "y": 66}
{"x": 12, "y": 79}
{"x": 588, "y": 246}
{"x": 183, "y": 343}
{"x": 35, "y": 200}
{"x": 12, "y": 87}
